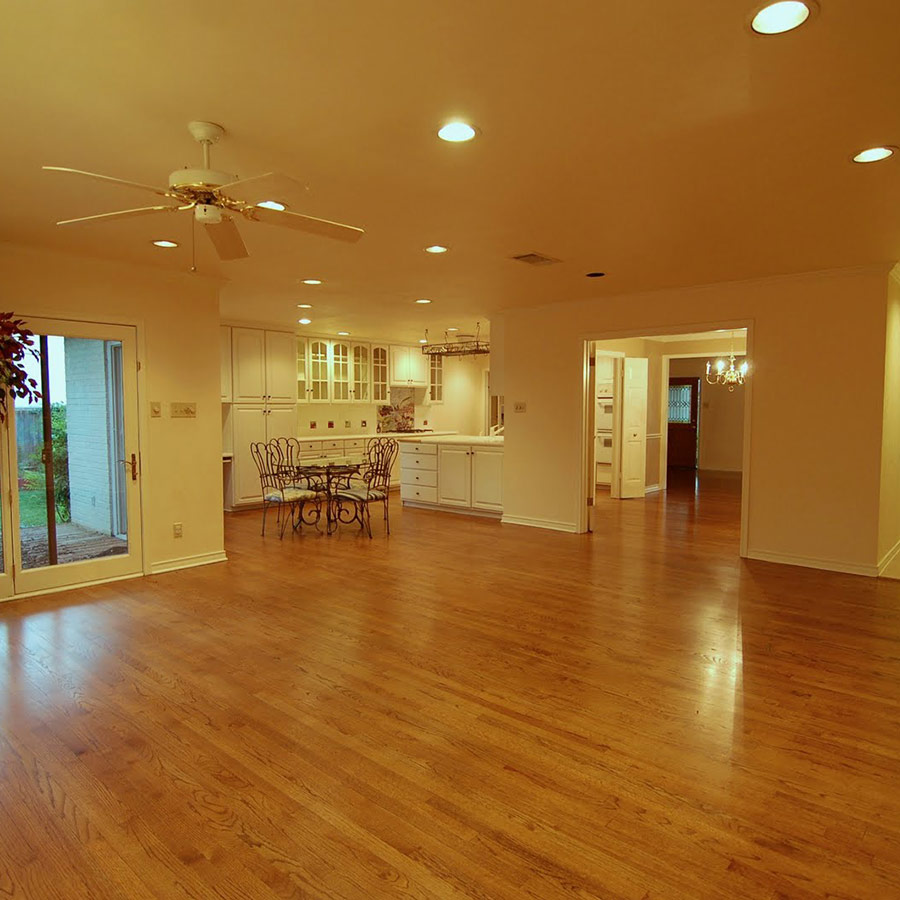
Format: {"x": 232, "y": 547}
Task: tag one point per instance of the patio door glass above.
{"x": 73, "y": 453}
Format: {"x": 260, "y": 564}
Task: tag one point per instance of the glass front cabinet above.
{"x": 318, "y": 379}
{"x": 380, "y": 384}
{"x": 340, "y": 372}
{"x": 362, "y": 376}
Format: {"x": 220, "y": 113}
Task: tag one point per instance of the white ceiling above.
{"x": 661, "y": 143}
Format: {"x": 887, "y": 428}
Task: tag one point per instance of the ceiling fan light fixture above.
{"x": 778, "y": 18}
{"x": 167, "y": 245}
{"x": 272, "y": 204}
{"x": 873, "y": 154}
{"x": 456, "y": 132}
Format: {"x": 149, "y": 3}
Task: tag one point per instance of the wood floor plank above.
{"x": 463, "y": 710}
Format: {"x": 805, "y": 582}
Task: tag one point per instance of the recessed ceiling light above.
{"x": 305, "y": 321}
{"x": 452, "y": 329}
{"x": 423, "y": 300}
{"x": 435, "y": 248}
{"x": 423, "y": 341}
{"x": 777, "y": 18}
{"x": 873, "y": 154}
{"x": 304, "y": 306}
{"x": 595, "y": 274}
{"x": 456, "y": 132}
{"x": 311, "y": 281}
{"x": 343, "y": 334}
{"x": 166, "y": 244}
{"x": 271, "y": 204}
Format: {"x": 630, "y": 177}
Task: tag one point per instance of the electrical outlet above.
{"x": 177, "y": 530}
{"x": 519, "y": 406}
{"x": 183, "y": 410}
{"x": 363, "y": 424}
{"x": 346, "y": 423}
{"x": 155, "y": 409}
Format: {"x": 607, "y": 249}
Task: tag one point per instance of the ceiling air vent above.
{"x": 536, "y": 259}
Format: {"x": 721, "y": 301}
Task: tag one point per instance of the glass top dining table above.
{"x": 329, "y": 474}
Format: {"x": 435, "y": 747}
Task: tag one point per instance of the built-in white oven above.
{"x": 603, "y": 447}
{"x": 603, "y": 418}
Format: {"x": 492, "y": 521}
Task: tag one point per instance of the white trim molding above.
{"x": 810, "y": 562}
{"x": 187, "y": 562}
{"x": 888, "y": 558}
{"x": 550, "y": 524}
{"x": 652, "y": 489}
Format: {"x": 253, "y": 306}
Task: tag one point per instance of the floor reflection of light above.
{"x": 719, "y": 700}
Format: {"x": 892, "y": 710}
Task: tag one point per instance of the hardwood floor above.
{"x": 463, "y": 710}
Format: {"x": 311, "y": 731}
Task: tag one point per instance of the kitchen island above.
{"x": 461, "y": 473}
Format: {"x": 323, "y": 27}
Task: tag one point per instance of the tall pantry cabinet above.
{"x": 263, "y": 402}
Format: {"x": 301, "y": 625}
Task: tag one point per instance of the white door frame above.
{"x": 583, "y": 513}
{"x": 59, "y": 577}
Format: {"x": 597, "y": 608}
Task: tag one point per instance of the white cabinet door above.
{"x": 419, "y": 373}
{"x": 319, "y": 380}
{"x": 340, "y": 372}
{"x": 400, "y": 365}
{"x": 225, "y": 361}
{"x": 454, "y": 475}
{"x": 281, "y": 421}
{"x": 380, "y": 381}
{"x": 361, "y": 390}
{"x": 302, "y": 369}
{"x": 633, "y": 442}
{"x": 248, "y": 358}
{"x": 249, "y": 424}
{"x": 487, "y": 478}
{"x": 281, "y": 367}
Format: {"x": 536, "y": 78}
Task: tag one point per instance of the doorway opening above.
{"x": 662, "y": 433}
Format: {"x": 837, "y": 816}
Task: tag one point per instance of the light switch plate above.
{"x": 183, "y": 410}
{"x": 155, "y": 409}
{"x": 519, "y": 406}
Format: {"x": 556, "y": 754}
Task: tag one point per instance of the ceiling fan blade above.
{"x": 162, "y": 192}
{"x": 272, "y": 186}
{"x": 123, "y": 214}
{"x": 227, "y": 240}
{"x": 310, "y": 224}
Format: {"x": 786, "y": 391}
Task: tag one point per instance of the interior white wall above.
{"x": 463, "y": 407}
{"x": 177, "y": 317}
{"x": 721, "y": 425}
{"x": 889, "y": 509}
{"x": 802, "y": 506}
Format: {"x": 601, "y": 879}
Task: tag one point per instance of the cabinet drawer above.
{"x": 411, "y": 462}
{"x": 421, "y": 477}
{"x": 354, "y": 444}
{"x": 408, "y": 449}
{"x": 415, "y": 492}
{"x": 308, "y": 446}
{"x": 333, "y": 445}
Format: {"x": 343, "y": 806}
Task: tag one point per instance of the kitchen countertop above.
{"x": 331, "y": 435}
{"x": 474, "y": 439}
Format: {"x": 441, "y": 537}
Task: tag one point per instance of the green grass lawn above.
{"x": 32, "y": 507}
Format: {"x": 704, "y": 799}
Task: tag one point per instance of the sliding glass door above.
{"x": 72, "y": 514}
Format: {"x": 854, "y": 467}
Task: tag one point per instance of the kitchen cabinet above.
{"x": 380, "y": 379}
{"x": 455, "y": 475}
{"x": 225, "y": 361}
{"x": 334, "y": 371}
{"x": 319, "y": 380}
{"x": 340, "y": 372}
{"x": 302, "y": 370}
{"x": 461, "y": 476}
{"x": 361, "y": 387}
{"x": 409, "y": 367}
{"x": 252, "y": 423}
{"x": 262, "y": 366}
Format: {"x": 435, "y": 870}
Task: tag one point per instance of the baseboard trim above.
{"x": 549, "y": 524}
{"x": 888, "y": 557}
{"x": 810, "y": 562}
{"x": 652, "y": 489}
{"x": 187, "y": 562}
{"x": 72, "y": 587}
{"x": 453, "y": 510}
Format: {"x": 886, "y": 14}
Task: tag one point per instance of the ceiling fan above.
{"x": 217, "y": 197}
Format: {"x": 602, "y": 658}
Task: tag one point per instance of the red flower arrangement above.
{"x": 15, "y": 342}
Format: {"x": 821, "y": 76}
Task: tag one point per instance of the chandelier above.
{"x": 727, "y": 373}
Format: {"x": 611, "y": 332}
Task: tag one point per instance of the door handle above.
{"x": 132, "y": 463}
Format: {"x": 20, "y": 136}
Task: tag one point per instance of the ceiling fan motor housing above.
{"x": 206, "y": 214}
{"x": 199, "y": 178}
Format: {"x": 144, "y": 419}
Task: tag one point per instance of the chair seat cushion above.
{"x": 289, "y": 495}
{"x": 360, "y": 493}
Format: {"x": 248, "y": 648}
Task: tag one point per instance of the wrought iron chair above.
{"x": 278, "y": 488}
{"x": 373, "y": 485}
